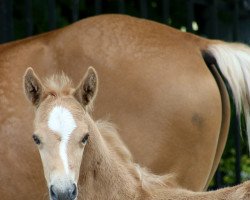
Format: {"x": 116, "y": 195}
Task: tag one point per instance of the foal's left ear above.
{"x": 87, "y": 89}
{"x": 33, "y": 87}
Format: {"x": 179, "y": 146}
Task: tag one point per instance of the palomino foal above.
{"x": 64, "y": 130}
{"x": 60, "y": 132}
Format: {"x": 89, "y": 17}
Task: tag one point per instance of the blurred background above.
{"x": 217, "y": 19}
{"x": 224, "y": 19}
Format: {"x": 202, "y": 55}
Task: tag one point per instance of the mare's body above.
{"x": 155, "y": 87}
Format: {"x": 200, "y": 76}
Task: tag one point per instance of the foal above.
{"x": 67, "y": 136}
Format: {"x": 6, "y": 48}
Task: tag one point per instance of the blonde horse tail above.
{"x": 233, "y": 61}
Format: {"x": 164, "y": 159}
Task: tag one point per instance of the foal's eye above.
{"x": 36, "y": 139}
{"x": 85, "y": 138}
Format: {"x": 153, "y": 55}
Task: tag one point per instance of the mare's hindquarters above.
{"x": 229, "y": 63}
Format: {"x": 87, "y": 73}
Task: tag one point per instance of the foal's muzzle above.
{"x": 69, "y": 193}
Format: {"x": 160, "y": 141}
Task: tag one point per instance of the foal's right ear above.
{"x": 32, "y": 87}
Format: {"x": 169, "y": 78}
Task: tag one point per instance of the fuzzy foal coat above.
{"x": 108, "y": 171}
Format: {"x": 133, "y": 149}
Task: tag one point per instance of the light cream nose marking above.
{"x": 62, "y": 122}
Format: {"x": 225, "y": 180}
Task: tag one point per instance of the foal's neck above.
{"x": 103, "y": 173}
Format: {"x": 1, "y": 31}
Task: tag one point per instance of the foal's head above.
{"x": 61, "y": 127}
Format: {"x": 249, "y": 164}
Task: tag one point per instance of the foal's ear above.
{"x": 87, "y": 89}
{"x": 32, "y": 86}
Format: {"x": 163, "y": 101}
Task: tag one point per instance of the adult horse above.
{"x": 172, "y": 109}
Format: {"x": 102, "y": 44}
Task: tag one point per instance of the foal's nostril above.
{"x": 53, "y": 193}
{"x": 69, "y": 193}
{"x": 73, "y": 192}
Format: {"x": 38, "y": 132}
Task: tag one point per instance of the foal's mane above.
{"x": 149, "y": 181}
{"x": 61, "y": 85}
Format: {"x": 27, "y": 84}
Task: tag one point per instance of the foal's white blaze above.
{"x": 62, "y": 122}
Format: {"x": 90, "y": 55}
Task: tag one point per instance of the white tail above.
{"x": 234, "y": 63}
